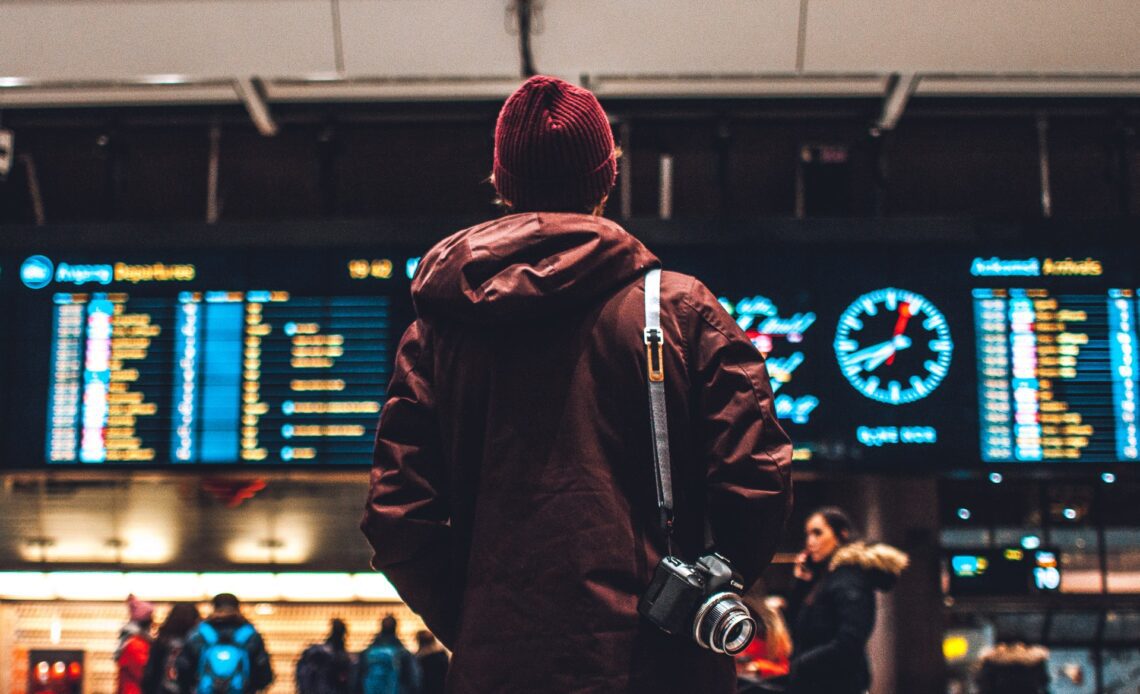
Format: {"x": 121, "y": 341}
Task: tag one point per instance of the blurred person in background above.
{"x": 832, "y": 606}
{"x": 326, "y": 668}
{"x": 1013, "y": 669}
{"x": 763, "y": 666}
{"x": 513, "y": 492}
{"x": 433, "y": 660}
{"x": 161, "y": 674}
{"x": 386, "y": 666}
{"x": 134, "y": 646}
{"x": 224, "y": 653}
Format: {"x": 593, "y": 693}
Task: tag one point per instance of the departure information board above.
{"x": 216, "y": 377}
{"x": 206, "y": 359}
{"x": 879, "y": 357}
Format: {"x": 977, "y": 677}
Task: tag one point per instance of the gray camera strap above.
{"x": 658, "y": 417}
{"x": 658, "y": 420}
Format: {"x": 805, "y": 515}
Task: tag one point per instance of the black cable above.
{"x": 525, "y": 13}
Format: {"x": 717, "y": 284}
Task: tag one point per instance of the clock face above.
{"x": 893, "y": 346}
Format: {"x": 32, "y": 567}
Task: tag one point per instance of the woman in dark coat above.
{"x": 161, "y": 673}
{"x": 832, "y": 606}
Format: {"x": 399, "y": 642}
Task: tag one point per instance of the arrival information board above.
{"x": 1057, "y": 377}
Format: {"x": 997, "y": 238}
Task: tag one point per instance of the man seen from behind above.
{"x": 224, "y": 653}
{"x": 513, "y": 492}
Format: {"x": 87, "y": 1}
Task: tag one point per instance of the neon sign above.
{"x": 889, "y": 436}
{"x": 1002, "y": 267}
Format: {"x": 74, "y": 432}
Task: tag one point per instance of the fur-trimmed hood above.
{"x": 1014, "y": 654}
{"x": 882, "y": 563}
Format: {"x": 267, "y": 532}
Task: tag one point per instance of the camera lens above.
{"x": 723, "y": 624}
{"x": 738, "y": 632}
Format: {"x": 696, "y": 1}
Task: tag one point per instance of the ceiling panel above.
{"x": 427, "y": 38}
{"x": 653, "y": 37}
{"x": 972, "y": 36}
{"x": 70, "y": 40}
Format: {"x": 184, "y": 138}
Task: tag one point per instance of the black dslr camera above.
{"x": 702, "y": 599}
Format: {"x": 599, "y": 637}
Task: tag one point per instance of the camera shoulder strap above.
{"x": 658, "y": 420}
{"x": 658, "y": 417}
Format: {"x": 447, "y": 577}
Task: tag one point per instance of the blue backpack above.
{"x": 380, "y": 669}
{"x": 223, "y": 668}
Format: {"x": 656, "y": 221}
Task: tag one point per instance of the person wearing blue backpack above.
{"x": 224, "y": 654}
{"x": 386, "y": 666}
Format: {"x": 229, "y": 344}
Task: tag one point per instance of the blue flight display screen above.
{"x": 942, "y": 358}
{"x": 156, "y": 364}
{"x": 1057, "y": 375}
{"x": 893, "y": 357}
{"x": 216, "y": 377}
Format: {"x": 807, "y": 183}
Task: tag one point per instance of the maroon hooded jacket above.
{"x": 513, "y": 500}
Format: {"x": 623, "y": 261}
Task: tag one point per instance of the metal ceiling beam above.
{"x": 257, "y": 94}
{"x": 250, "y": 92}
{"x": 899, "y": 90}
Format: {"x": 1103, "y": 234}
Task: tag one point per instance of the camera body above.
{"x": 702, "y": 599}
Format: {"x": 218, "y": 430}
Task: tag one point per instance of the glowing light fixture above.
{"x": 87, "y": 585}
{"x": 955, "y": 647}
{"x": 251, "y": 587}
{"x": 26, "y": 585}
{"x": 374, "y": 587}
{"x": 316, "y": 587}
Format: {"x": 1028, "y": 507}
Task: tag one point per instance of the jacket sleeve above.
{"x": 187, "y": 664}
{"x": 854, "y": 605}
{"x": 132, "y": 662}
{"x": 261, "y": 669}
{"x": 747, "y": 454}
{"x": 411, "y": 675}
{"x": 407, "y": 519}
{"x": 152, "y": 673}
{"x": 795, "y": 599}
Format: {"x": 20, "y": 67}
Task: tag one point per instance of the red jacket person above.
{"x": 513, "y": 495}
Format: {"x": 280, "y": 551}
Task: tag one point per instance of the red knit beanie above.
{"x": 554, "y": 150}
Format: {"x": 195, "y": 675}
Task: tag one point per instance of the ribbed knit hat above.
{"x": 554, "y": 150}
{"x": 139, "y": 610}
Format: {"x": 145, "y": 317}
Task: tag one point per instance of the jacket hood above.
{"x": 387, "y": 640}
{"x": 129, "y": 631}
{"x": 233, "y": 620}
{"x": 1015, "y": 654}
{"x": 525, "y": 265}
{"x": 882, "y": 563}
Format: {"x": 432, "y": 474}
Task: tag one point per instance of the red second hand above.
{"x": 900, "y": 326}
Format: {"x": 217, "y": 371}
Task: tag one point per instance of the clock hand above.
{"x": 872, "y": 352}
{"x": 888, "y": 354}
{"x": 900, "y": 326}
